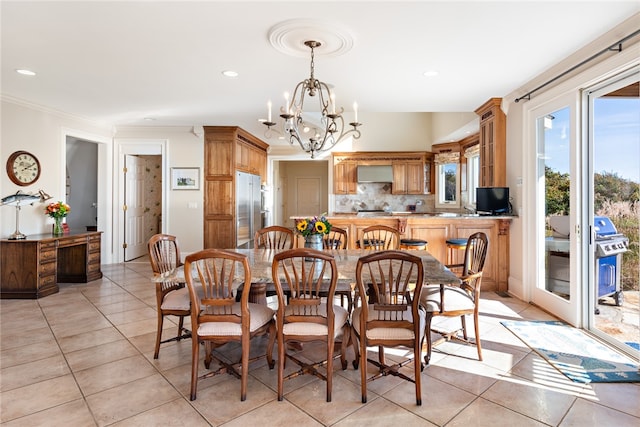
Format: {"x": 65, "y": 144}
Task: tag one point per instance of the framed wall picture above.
{"x": 185, "y": 178}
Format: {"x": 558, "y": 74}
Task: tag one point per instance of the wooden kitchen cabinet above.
{"x": 493, "y": 144}
{"x": 436, "y": 230}
{"x": 408, "y": 177}
{"x": 345, "y": 177}
{"x": 251, "y": 159}
{"x": 226, "y": 150}
{"x": 409, "y": 170}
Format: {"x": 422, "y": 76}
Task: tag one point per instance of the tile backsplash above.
{"x": 378, "y": 196}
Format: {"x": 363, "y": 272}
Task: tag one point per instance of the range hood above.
{"x": 375, "y": 173}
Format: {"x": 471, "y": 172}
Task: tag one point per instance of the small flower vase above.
{"x": 313, "y": 241}
{"x": 57, "y": 226}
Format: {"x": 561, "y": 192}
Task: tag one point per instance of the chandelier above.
{"x": 323, "y": 136}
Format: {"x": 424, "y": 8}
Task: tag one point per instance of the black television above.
{"x": 492, "y": 200}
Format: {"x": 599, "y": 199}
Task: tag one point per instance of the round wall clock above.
{"x": 23, "y": 168}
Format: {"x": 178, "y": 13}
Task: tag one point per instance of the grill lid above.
{"x": 604, "y": 226}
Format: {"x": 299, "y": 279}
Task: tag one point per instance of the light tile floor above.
{"x": 84, "y": 357}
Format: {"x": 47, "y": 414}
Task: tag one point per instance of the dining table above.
{"x": 260, "y": 262}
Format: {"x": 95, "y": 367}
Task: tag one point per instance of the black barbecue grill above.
{"x": 609, "y": 247}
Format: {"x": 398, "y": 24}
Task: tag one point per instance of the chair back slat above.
{"x": 475, "y": 253}
{"x": 220, "y": 273}
{"x": 379, "y": 238}
{"x": 336, "y": 239}
{"x": 274, "y": 237}
{"x": 307, "y": 274}
{"x": 164, "y": 253}
{"x": 393, "y": 280}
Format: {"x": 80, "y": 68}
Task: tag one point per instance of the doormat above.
{"x": 574, "y": 353}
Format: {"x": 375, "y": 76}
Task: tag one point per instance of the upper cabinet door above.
{"x": 493, "y": 144}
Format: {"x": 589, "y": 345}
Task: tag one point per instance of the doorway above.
{"x": 82, "y": 184}
{"x": 147, "y": 196}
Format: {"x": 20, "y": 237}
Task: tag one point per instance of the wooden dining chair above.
{"x": 216, "y": 317}
{"x": 462, "y": 300}
{"x": 336, "y": 239}
{"x": 274, "y": 237}
{"x": 305, "y": 316}
{"x": 395, "y": 319}
{"x": 172, "y": 297}
{"x": 379, "y": 238}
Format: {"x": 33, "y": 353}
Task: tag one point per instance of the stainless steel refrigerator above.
{"x": 248, "y": 208}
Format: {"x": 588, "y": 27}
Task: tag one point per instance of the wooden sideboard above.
{"x": 32, "y": 268}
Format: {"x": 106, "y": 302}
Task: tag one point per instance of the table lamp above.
{"x": 17, "y": 200}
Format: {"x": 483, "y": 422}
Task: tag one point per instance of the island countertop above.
{"x": 414, "y": 215}
{"x": 436, "y": 229}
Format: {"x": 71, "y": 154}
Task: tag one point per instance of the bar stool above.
{"x": 413, "y": 244}
{"x": 455, "y": 244}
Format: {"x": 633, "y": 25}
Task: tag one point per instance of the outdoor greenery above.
{"x": 616, "y": 198}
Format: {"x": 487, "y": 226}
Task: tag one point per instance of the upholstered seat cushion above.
{"x": 177, "y": 300}
{"x": 455, "y": 299}
{"x": 260, "y": 315}
{"x": 388, "y": 333}
{"x": 309, "y": 328}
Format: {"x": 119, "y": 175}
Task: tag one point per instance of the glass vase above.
{"x": 57, "y": 226}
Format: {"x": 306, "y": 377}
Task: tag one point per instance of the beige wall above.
{"x": 43, "y": 133}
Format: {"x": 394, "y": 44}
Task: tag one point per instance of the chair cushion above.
{"x": 457, "y": 242}
{"x": 388, "y": 333}
{"x": 177, "y": 300}
{"x": 309, "y": 328}
{"x": 260, "y": 316}
{"x": 455, "y": 299}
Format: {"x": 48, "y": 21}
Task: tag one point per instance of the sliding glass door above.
{"x": 613, "y": 210}
{"x": 557, "y": 229}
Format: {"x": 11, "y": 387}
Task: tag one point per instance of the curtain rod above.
{"x": 616, "y": 47}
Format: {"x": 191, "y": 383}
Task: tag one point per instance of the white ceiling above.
{"x": 121, "y": 62}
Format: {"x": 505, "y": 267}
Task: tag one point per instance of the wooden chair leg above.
{"x": 427, "y": 334}
{"x": 476, "y": 328}
{"x": 363, "y": 371}
{"x": 158, "y": 334}
{"x": 195, "y": 355}
{"x": 272, "y": 340}
{"x": 417, "y": 362}
{"x": 330, "y": 346}
{"x": 244, "y": 375}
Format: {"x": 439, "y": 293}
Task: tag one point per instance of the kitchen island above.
{"x": 436, "y": 228}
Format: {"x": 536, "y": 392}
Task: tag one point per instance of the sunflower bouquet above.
{"x": 315, "y": 225}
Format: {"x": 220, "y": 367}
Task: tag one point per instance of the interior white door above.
{"x": 557, "y": 221}
{"x": 308, "y": 196}
{"x": 135, "y": 245}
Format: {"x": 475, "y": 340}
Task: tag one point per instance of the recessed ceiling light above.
{"x": 150, "y": 119}
{"x": 230, "y": 73}
{"x": 25, "y": 72}
{"x": 430, "y": 73}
